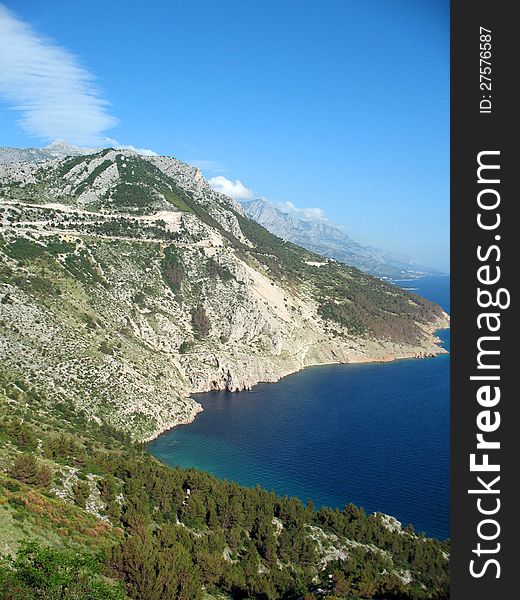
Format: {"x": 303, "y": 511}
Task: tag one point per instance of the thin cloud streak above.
{"x": 213, "y": 166}
{"x": 306, "y": 214}
{"x": 55, "y": 95}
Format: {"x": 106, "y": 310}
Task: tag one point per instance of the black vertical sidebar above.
{"x": 474, "y": 131}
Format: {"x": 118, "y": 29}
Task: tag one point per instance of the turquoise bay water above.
{"x": 376, "y": 435}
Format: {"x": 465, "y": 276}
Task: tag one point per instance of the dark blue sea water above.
{"x": 376, "y": 435}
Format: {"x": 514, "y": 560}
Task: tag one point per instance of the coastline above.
{"x": 231, "y": 440}
{"x": 407, "y": 353}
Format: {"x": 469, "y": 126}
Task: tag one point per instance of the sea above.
{"x": 376, "y": 435}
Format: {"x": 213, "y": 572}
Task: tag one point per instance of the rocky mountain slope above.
{"x": 57, "y": 149}
{"x": 330, "y": 241}
{"x": 126, "y": 284}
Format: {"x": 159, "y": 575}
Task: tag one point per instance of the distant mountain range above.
{"x": 330, "y": 241}
{"x": 58, "y": 149}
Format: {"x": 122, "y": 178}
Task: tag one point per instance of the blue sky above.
{"x": 339, "y": 105}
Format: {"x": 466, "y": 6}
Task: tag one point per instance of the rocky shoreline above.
{"x": 381, "y": 353}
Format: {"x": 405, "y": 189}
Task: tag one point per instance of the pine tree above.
{"x": 81, "y": 492}
{"x": 44, "y": 477}
{"x": 25, "y": 469}
{"x": 23, "y": 434}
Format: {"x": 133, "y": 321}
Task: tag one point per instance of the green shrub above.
{"x": 200, "y": 321}
{"x": 39, "y": 572}
{"x": 172, "y": 269}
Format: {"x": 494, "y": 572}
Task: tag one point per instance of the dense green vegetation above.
{"x": 367, "y": 305}
{"x": 39, "y": 571}
{"x": 68, "y": 164}
{"x": 178, "y": 533}
{"x": 216, "y": 270}
{"x": 88, "y": 181}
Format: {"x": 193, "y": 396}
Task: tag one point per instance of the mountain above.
{"x": 57, "y": 149}
{"x": 126, "y": 285}
{"x": 330, "y": 241}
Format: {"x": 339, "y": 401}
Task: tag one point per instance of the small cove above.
{"x": 373, "y": 434}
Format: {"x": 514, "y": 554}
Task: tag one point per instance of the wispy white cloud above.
{"x": 236, "y": 189}
{"x": 54, "y": 94}
{"x": 307, "y": 214}
{"x": 213, "y": 166}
